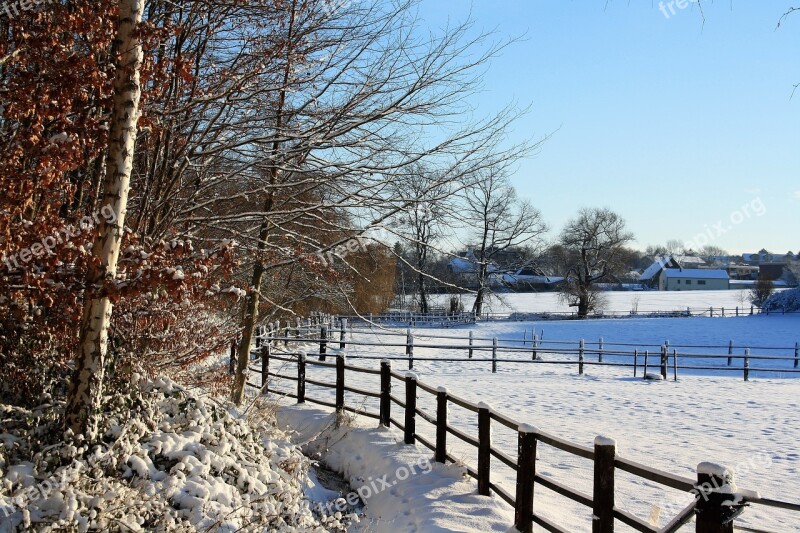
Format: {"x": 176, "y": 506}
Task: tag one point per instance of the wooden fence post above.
{"x": 675, "y": 364}
{"x": 494, "y": 355}
{"x": 484, "y": 449}
{"x": 441, "y": 425}
{"x": 534, "y": 343}
{"x": 712, "y": 513}
{"x": 265, "y": 368}
{"x": 635, "y": 361}
{"x": 730, "y": 353}
{"x": 581, "y": 346}
{"x": 751, "y": 310}
{"x": 232, "y": 366}
{"x": 259, "y": 336}
{"x": 796, "y": 354}
{"x": 526, "y": 473}
{"x": 286, "y": 335}
{"x": 747, "y": 364}
{"x": 342, "y": 332}
{"x": 411, "y": 408}
{"x": 600, "y": 350}
{"x": 664, "y": 363}
{"x": 323, "y": 342}
{"x": 470, "y": 344}
{"x": 603, "y": 497}
{"x": 646, "y": 354}
{"x": 340, "y": 383}
{"x": 410, "y": 349}
{"x": 386, "y": 393}
{"x": 301, "y": 377}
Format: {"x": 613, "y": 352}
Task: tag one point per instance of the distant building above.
{"x": 652, "y": 275}
{"x": 693, "y": 279}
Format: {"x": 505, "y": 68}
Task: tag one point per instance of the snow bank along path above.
{"x": 404, "y": 490}
{"x": 753, "y": 427}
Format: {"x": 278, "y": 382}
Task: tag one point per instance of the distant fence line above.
{"x": 445, "y": 318}
{"x": 663, "y": 358}
{"x": 714, "y": 507}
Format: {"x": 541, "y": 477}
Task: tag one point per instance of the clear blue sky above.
{"x": 672, "y": 122}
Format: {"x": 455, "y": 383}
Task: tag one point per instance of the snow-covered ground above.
{"x": 752, "y": 426}
{"x": 403, "y": 488}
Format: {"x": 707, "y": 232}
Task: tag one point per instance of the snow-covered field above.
{"x": 618, "y": 302}
{"x": 752, "y": 426}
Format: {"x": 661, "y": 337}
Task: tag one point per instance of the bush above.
{"x": 788, "y": 301}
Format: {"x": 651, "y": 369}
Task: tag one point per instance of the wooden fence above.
{"x": 664, "y": 359}
{"x": 712, "y": 507}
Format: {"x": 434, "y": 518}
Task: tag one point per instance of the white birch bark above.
{"x": 86, "y": 389}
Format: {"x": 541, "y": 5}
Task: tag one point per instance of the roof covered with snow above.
{"x": 654, "y": 269}
{"x": 695, "y": 273}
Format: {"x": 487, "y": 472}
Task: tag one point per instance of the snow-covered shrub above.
{"x": 788, "y": 301}
{"x": 170, "y": 460}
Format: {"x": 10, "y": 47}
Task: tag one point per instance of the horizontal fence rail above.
{"x": 712, "y": 507}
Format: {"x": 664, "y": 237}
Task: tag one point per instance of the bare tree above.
{"x": 761, "y": 291}
{"x": 593, "y": 244}
{"x": 498, "y": 220}
{"x": 421, "y": 224}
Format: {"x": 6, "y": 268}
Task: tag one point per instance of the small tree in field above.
{"x": 761, "y": 292}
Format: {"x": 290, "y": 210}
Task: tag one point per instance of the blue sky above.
{"x": 683, "y": 127}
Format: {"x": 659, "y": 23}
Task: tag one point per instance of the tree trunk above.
{"x": 254, "y": 291}
{"x": 477, "y": 307}
{"x": 423, "y": 295}
{"x": 86, "y": 389}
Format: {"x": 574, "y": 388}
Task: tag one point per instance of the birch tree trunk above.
{"x": 86, "y": 389}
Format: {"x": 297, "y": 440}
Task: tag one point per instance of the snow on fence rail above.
{"x": 714, "y": 506}
{"x": 664, "y": 358}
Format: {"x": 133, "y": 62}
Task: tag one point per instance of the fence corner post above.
{"x": 484, "y": 449}
{"x": 713, "y": 511}
{"x": 441, "y": 425}
{"x": 386, "y": 393}
{"x": 581, "y": 348}
{"x": 301, "y": 377}
{"x": 526, "y": 474}
{"x": 494, "y": 355}
{"x": 605, "y": 451}
{"x": 265, "y": 368}
{"x": 340, "y": 359}
{"x": 410, "y": 436}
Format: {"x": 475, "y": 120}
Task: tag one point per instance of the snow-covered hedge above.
{"x": 170, "y": 460}
{"x": 783, "y": 301}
